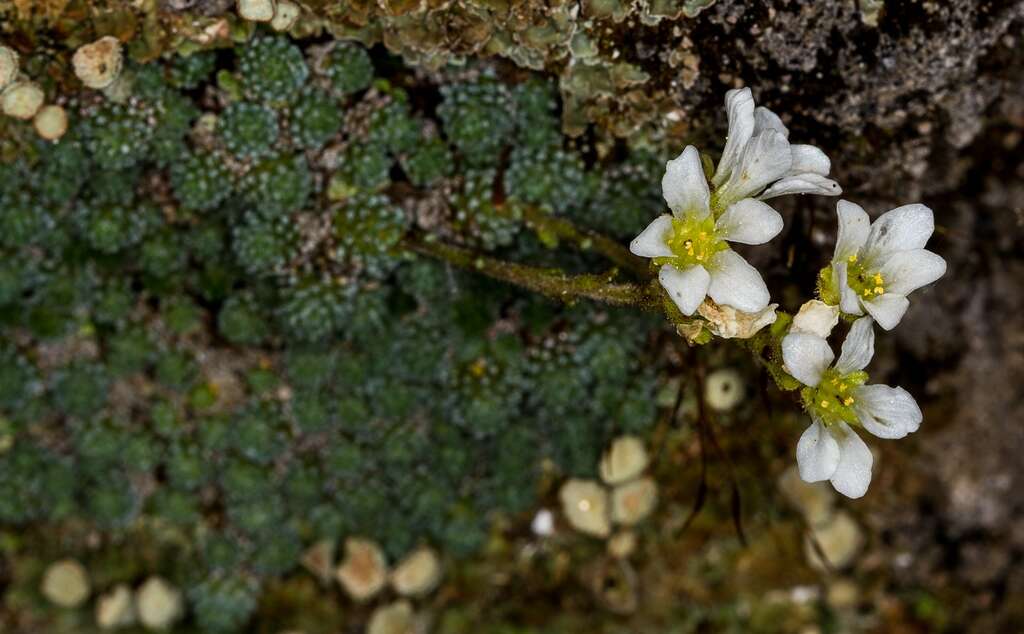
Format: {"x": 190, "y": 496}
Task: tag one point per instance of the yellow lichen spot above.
{"x": 478, "y": 368}
{"x": 51, "y": 122}
{"x": 99, "y": 63}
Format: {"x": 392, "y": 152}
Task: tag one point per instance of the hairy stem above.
{"x": 552, "y": 283}
{"x": 550, "y": 229}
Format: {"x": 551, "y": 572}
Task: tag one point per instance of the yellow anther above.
{"x": 824, "y": 404}
{"x": 852, "y": 259}
{"x": 867, "y": 292}
{"x": 879, "y": 290}
{"x": 842, "y": 387}
{"x": 878, "y": 279}
{"x": 848, "y": 400}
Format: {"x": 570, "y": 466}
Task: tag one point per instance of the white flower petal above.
{"x": 853, "y": 473}
{"x": 900, "y": 229}
{"x": 806, "y": 357}
{"x": 817, "y": 453}
{"x": 739, "y": 105}
{"x": 848, "y": 301}
{"x": 817, "y": 318}
{"x": 858, "y": 348}
{"x": 810, "y": 160}
{"x": 687, "y": 288}
{"x": 727, "y": 322}
{"x": 907, "y": 271}
{"x": 887, "y": 309}
{"x": 651, "y": 241}
{"x": 804, "y": 183}
{"x": 887, "y": 412}
{"x": 749, "y": 221}
{"x": 765, "y": 119}
{"x": 764, "y": 160}
{"x": 854, "y": 226}
{"x": 684, "y": 186}
{"x": 735, "y": 283}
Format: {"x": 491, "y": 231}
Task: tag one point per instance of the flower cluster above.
{"x": 873, "y": 269}
{"x": 837, "y": 399}
{"x": 690, "y": 246}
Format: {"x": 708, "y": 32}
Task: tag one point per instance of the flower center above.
{"x": 692, "y": 241}
{"x": 865, "y": 283}
{"x": 832, "y": 400}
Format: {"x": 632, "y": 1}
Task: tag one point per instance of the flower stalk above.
{"x": 553, "y": 283}
{"x": 551, "y": 229}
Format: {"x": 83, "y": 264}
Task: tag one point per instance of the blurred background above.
{"x": 231, "y": 400}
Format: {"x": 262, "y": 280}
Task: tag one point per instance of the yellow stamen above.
{"x": 879, "y": 290}
{"x": 824, "y": 404}
{"x": 878, "y": 278}
{"x": 848, "y": 400}
{"x": 852, "y": 259}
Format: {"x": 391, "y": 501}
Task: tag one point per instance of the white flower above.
{"x": 758, "y": 160}
{"x": 876, "y": 265}
{"x": 837, "y": 400}
{"x": 726, "y": 322}
{"x": 691, "y": 244}
{"x": 817, "y": 318}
